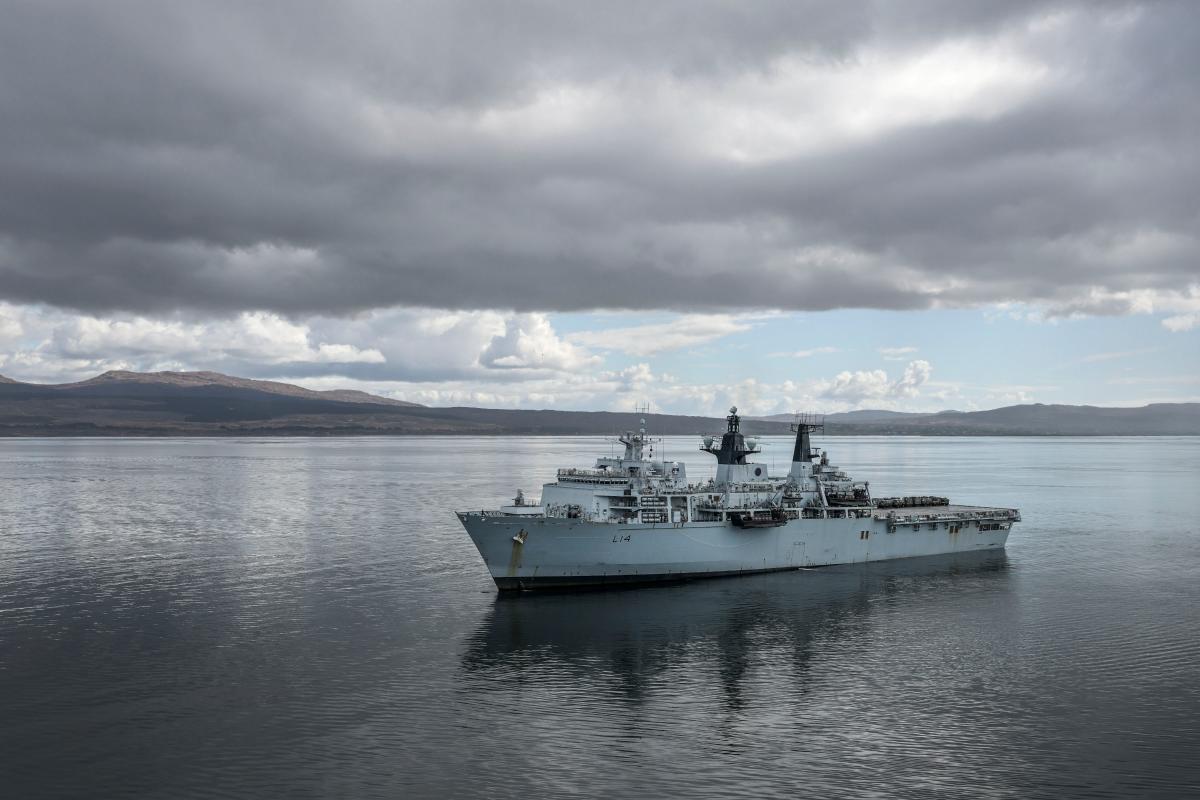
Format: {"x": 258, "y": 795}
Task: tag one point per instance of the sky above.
{"x": 784, "y": 205}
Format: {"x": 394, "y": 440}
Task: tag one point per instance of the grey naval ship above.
{"x": 636, "y": 519}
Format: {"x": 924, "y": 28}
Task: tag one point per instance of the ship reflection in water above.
{"x": 744, "y": 632}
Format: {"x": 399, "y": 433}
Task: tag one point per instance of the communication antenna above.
{"x": 642, "y": 409}
{"x": 809, "y": 420}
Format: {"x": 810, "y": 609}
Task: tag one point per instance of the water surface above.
{"x": 305, "y": 618}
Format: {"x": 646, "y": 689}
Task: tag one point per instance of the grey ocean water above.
{"x": 305, "y": 618}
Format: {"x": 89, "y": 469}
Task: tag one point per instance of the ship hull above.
{"x": 549, "y": 552}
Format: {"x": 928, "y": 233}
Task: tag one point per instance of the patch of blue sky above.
{"x": 985, "y": 356}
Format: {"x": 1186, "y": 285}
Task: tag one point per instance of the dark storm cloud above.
{"x": 332, "y": 158}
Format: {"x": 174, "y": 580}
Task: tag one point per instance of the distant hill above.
{"x": 119, "y": 381}
{"x": 1035, "y": 419}
{"x": 209, "y": 403}
{"x": 547, "y": 421}
{"x": 854, "y": 416}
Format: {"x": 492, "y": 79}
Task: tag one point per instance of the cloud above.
{"x": 45, "y": 344}
{"x": 1013, "y": 394}
{"x": 256, "y": 337}
{"x": 622, "y": 390}
{"x": 867, "y": 385}
{"x": 51, "y": 345}
{"x": 643, "y": 340}
{"x": 1181, "y": 322}
{"x": 331, "y": 159}
{"x": 896, "y": 353}
{"x": 914, "y": 377}
{"x": 816, "y": 351}
{"x": 10, "y": 326}
{"x": 432, "y": 357}
{"x": 1011, "y": 398}
{"x": 857, "y": 386}
{"x": 529, "y": 342}
{"x": 1098, "y": 302}
{"x": 1115, "y": 355}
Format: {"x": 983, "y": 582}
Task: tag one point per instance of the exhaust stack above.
{"x": 804, "y": 426}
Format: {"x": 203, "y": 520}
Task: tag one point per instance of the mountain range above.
{"x": 1032, "y": 419}
{"x": 122, "y": 403}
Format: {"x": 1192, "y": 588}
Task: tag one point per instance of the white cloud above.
{"x": 256, "y": 336}
{"x": 1013, "y": 394}
{"x": 1011, "y": 398}
{"x": 46, "y": 344}
{"x": 10, "y": 325}
{"x": 816, "y": 351}
{"x": 643, "y": 340}
{"x": 1115, "y": 355}
{"x": 873, "y": 385}
{"x": 915, "y": 376}
{"x": 623, "y": 389}
{"x": 1183, "y": 305}
{"x": 52, "y": 345}
{"x": 896, "y": 353}
{"x": 798, "y": 106}
{"x": 1181, "y": 322}
{"x": 529, "y": 342}
{"x": 855, "y": 387}
{"x": 481, "y": 358}
{"x": 345, "y": 354}
{"x": 434, "y": 345}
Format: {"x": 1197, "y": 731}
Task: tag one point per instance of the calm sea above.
{"x": 305, "y": 618}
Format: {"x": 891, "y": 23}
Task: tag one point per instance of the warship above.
{"x": 636, "y": 519}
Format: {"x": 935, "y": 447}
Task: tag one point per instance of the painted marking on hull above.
{"x": 518, "y": 549}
